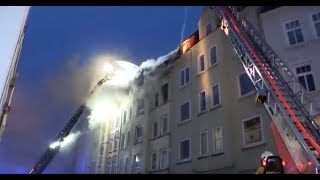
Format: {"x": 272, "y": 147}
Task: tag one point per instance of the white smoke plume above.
{"x": 184, "y": 24}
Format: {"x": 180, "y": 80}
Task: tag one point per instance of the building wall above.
{"x": 304, "y": 53}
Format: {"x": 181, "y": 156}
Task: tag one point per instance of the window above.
{"x": 156, "y": 100}
{"x": 138, "y": 137}
{"x": 246, "y": 85}
{"x": 208, "y": 29}
{"x": 109, "y": 165}
{"x": 252, "y": 131}
{"x": 121, "y": 166}
{"x": 201, "y": 65}
{"x": 124, "y": 117}
{"x": 217, "y": 140}
{"x": 164, "y": 93}
{"x": 155, "y": 129}
{"x": 123, "y": 141}
{"x": 114, "y": 165}
{"x": 164, "y": 121}
{"x": 294, "y": 32}
{"x": 202, "y": 101}
{"x": 110, "y": 142}
{"x": 116, "y": 141}
{"x": 305, "y": 77}
{"x": 154, "y": 161}
{"x": 184, "y": 147}
{"x": 137, "y": 163}
{"x": 163, "y": 158}
{"x": 316, "y": 20}
{"x": 184, "y": 76}
{"x": 204, "y": 143}
{"x": 213, "y": 56}
{"x": 140, "y": 106}
{"x": 185, "y": 112}
{"x": 215, "y": 95}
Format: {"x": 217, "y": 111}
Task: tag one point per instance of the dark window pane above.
{"x": 302, "y": 81}
{"x": 246, "y": 86}
{"x": 303, "y": 69}
{"x": 310, "y": 82}
{"x": 184, "y": 149}
{"x": 164, "y": 92}
{"x": 299, "y": 35}
{"x": 156, "y": 100}
{"x": 308, "y": 68}
{"x": 314, "y": 17}
{"x": 292, "y": 39}
{"x": 202, "y": 101}
{"x": 297, "y": 23}
{"x": 164, "y": 125}
{"x": 317, "y": 25}
{"x": 213, "y": 55}
{"x": 208, "y": 28}
{"x": 187, "y": 75}
{"x": 215, "y": 94}
{"x": 184, "y": 112}
{"x": 298, "y": 70}
{"x": 292, "y": 24}
{"x": 155, "y": 129}
{"x": 287, "y": 26}
{"x": 182, "y": 78}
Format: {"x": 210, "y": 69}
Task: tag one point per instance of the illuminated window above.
{"x": 137, "y": 163}
{"x": 217, "y": 140}
{"x": 201, "y": 64}
{"x": 294, "y": 32}
{"x": 202, "y": 101}
{"x": 245, "y": 83}
{"x": 252, "y": 132}
{"x": 305, "y": 77}
{"x": 316, "y": 20}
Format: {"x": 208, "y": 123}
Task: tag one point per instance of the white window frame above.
{"x": 285, "y": 31}
{"x": 161, "y": 166}
{"x": 304, "y": 74}
{"x": 185, "y": 83}
{"x": 199, "y": 63}
{"x": 239, "y": 86}
{"x": 124, "y": 140}
{"x": 205, "y": 29}
{"x": 156, "y": 161}
{"x": 207, "y": 150}
{"x": 161, "y": 129}
{"x": 219, "y": 90}
{"x": 206, "y": 102}
{"x": 215, "y": 140}
{"x": 153, "y": 129}
{"x": 109, "y": 165}
{"x": 186, "y": 120}
{"x": 243, "y": 132}
{"x": 190, "y": 152}
{"x": 211, "y": 65}
{"x": 314, "y": 24}
{"x": 136, "y": 139}
{"x": 133, "y": 164}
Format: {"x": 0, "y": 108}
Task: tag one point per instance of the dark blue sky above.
{"x": 54, "y": 35}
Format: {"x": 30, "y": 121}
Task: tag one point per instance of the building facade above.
{"x": 13, "y": 22}
{"x": 197, "y": 113}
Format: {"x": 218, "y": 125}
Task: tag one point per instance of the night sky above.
{"x": 57, "y": 34}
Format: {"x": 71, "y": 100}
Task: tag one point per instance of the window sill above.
{"x": 158, "y": 137}
{"x": 296, "y": 45}
{"x": 184, "y": 122}
{"x": 202, "y": 112}
{"x": 247, "y": 95}
{"x": 253, "y": 145}
{"x": 185, "y": 84}
{"x": 213, "y": 65}
{"x": 216, "y": 107}
{"x": 200, "y": 73}
{"x": 138, "y": 142}
{"x": 163, "y": 104}
{"x": 184, "y": 161}
{"x": 159, "y": 170}
{"x": 203, "y": 156}
{"x": 217, "y": 154}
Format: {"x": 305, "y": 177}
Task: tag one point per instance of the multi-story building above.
{"x": 196, "y": 112}
{"x": 13, "y": 22}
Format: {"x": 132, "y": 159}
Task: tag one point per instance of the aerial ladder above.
{"x": 51, "y": 152}
{"x": 285, "y": 99}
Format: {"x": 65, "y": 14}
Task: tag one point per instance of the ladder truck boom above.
{"x": 51, "y": 152}
{"x": 287, "y": 101}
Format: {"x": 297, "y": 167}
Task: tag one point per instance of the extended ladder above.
{"x": 287, "y": 104}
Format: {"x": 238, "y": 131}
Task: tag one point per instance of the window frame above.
{"x": 156, "y": 161}
{"x": 244, "y": 135}
{"x": 293, "y": 29}
{"x": 315, "y": 33}
{"x": 219, "y": 93}
{"x": 185, "y": 83}
{"x": 304, "y": 74}
{"x": 190, "y": 145}
{"x": 213, "y": 46}
{"x": 214, "y": 144}
{"x": 134, "y": 164}
{"x": 207, "y": 141}
{"x": 239, "y": 86}
{"x": 136, "y": 139}
{"x": 205, "y": 29}
{"x": 200, "y": 101}
{"x": 161, "y": 167}
{"x": 188, "y": 119}
{"x": 161, "y": 129}
{"x": 199, "y": 63}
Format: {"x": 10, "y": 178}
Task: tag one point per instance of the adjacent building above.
{"x": 196, "y": 112}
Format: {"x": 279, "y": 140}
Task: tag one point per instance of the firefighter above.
{"x": 270, "y": 164}
{"x": 261, "y": 169}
